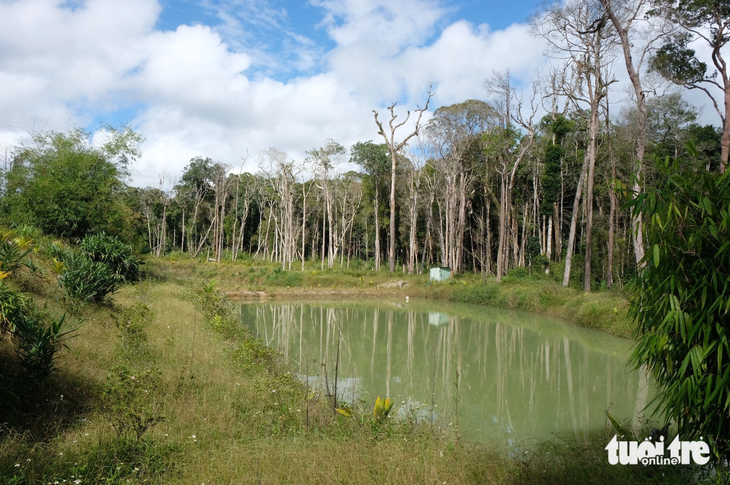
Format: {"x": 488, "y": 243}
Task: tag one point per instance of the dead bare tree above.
{"x": 509, "y": 148}
{"x": 325, "y": 161}
{"x": 638, "y": 37}
{"x": 306, "y": 189}
{"x": 347, "y": 195}
{"x": 165, "y": 202}
{"x": 578, "y": 33}
{"x": 454, "y": 134}
{"x": 237, "y": 242}
{"x": 395, "y": 147}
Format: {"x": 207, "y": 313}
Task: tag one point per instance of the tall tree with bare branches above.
{"x": 578, "y": 33}
{"x": 394, "y": 147}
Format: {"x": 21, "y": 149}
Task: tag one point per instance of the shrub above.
{"x": 118, "y": 256}
{"x": 102, "y": 265}
{"x": 58, "y": 251}
{"x": 216, "y": 309}
{"x": 38, "y": 337}
{"x": 87, "y": 280}
{"x": 132, "y": 322}
{"x": 681, "y": 300}
{"x": 480, "y": 294}
{"x": 12, "y": 307}
{"x": 13, "y": 250}
{"x": 38, "y": 342}
{"x": 519, "y": 272}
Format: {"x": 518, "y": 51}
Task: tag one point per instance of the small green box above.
{"x": 440, "y": 274}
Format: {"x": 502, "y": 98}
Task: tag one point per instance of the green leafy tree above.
{"x": 681, "y": 299}
{"x": 68, "y": 186}
{"x": 709, "y": 22}
{"x": 375, "y": 161}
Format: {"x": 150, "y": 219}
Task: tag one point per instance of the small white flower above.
{"x": 193, "y": 436}
{"x": 17, "y": 465}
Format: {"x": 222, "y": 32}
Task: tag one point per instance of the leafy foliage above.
{"x": 682, "y": 299}
{"x": 68, "y": 187}
{"x": 13, "y": 250}
{"x": 13, "y": 306}
{"x": 102, "y": 266}
{"x": 87, "y": 280}
{"x": 39, "y": 342}
{"x": 676, "y": 62}
{"x": 102, "y": 248}
{"x": 382, "y": 408}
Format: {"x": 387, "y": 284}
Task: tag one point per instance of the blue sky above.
{"x": 229, "y": 79}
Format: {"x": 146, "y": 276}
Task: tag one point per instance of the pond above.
{"x": 501, "y": 376}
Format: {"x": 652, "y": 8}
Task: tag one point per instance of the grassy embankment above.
{"x": 602, "y": 310}
{"x": 220, "y": 408}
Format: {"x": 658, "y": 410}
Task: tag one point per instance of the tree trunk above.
{"x": 304, "y": 221}
{"x": 725, "y": 140}
{"x": 641, "y": 121}
{"x": 377, "y": 232}
{"x": 589, "y": 198}
{"x": 391, "y": 242}
{"x": 574, "y": 222}
{"x": 502, "y": 223}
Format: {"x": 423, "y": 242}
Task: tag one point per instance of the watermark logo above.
{"x": 652, "y": 453}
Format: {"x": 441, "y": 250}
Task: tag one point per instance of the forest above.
{"x": 532, "y": 177}
{"x": 565, "y": 182}
{"x": 475, "y": 193}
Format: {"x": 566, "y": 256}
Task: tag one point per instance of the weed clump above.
{"x": 281, "y": 277}
{"x": 131, "y": 401}
{"x": 131, "y": 322}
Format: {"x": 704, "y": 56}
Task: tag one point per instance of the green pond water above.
{"x": 500, "y": 376}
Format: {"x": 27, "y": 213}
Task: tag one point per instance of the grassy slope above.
{"x": 223, "y": 421}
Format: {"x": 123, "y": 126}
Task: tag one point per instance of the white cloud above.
{"x": 195, "y": 94}
{"x": 58, "y": 63}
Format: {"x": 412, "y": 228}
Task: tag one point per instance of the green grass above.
{"x": 230, "y": 410}
{"x": 600, "y": 310}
